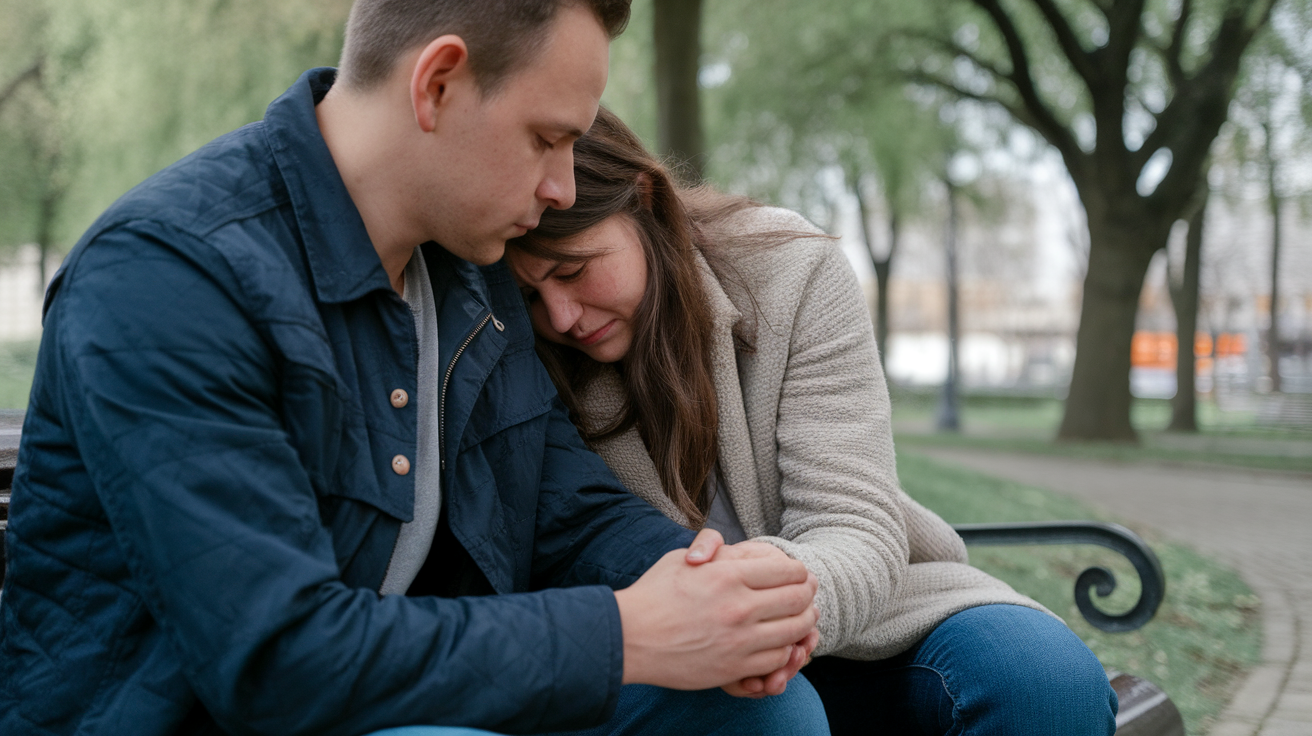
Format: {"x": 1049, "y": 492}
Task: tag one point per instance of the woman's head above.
{"x": 619, "y": 260}
{"x": 617, "y": 279}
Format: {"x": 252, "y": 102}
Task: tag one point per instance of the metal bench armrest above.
{"x": 1112, "y": 536}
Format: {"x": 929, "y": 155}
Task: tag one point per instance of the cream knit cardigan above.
{"x": 806, "y": 448}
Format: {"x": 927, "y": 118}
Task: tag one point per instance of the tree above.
{"x": 1271, "y": 127}
{"x": 676, "y": 33}
{"x": 30, "y": 74}
{"x": 949, "y": 414}
{"x": 32, "y": 154}
{"x": 1184, "y": 298}
{"x": 129, "y": 86}
{"x": 786, "y": 111}
{"x": 1131, "y": 94}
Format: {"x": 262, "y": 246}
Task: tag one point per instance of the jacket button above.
{"x": 400, "y": 398}
{"x": 400, "y": 465}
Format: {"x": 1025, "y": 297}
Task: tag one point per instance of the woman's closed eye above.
{"x": 571, "y": 275}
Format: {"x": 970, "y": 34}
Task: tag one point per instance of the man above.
{"x": 259, "y": 405}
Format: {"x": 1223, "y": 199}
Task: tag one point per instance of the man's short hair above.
{"x": 502, "y": 35}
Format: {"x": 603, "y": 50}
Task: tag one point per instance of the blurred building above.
{"x": 1021, "y": 276}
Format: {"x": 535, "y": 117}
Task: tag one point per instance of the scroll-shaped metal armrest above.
{"x": 1112, "y": 536}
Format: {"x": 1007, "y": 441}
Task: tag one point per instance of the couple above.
{"x": 292, "y": 463}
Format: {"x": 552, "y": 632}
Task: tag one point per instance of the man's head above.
{"x": 503, "y": 35}
{"x": 470, "y": 109}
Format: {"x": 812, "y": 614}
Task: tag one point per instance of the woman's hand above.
{"x": 694, "y": 626}
{"x": 709, "y": 546}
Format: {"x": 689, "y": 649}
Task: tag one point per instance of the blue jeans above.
{"x": 645, "y": 710}
{"x": 989, "y": 671}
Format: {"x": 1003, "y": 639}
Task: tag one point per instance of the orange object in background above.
{"x": 1230, "y": 343}
{"x": 1153, "y": 350}
{"x": 1158, "y": 349}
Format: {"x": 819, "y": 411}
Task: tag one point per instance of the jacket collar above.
{"x": 342, "y": 259}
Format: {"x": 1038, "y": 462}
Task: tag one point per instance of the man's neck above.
{"x": 358, "y": 131}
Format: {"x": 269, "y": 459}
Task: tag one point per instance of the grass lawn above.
{"x": 1024, "y": 424}
{"x": 17, "y": 364}
{"x": 1206, "y": 633}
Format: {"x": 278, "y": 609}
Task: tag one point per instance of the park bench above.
{"x": 1145, "y": 710}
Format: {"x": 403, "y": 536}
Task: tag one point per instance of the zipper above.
{"x": 446, "y": 380}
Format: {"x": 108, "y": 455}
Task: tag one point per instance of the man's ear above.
{"x": 443, "y": 60}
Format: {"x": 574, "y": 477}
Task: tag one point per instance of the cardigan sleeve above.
{"x": 843, "y": 513}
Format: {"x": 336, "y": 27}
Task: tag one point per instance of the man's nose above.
{"x": 557, "y": 185}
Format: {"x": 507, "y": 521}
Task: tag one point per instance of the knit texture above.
{"x": 806, "y": 447}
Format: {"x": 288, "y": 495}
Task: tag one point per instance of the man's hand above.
{"x": 693, "y": 626}
{"x": 709, "y": 546}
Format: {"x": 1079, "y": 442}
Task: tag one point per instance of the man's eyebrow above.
{"x": 568, "y": 129}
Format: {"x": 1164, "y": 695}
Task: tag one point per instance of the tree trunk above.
{"x": 883, "y": 268}
{"x": 1184, "y": 407}
{"x": 45, "y": 226}
{"x": 677, "y": 37}
{"x": 1273, "y": 199}
{"x": 949, "y": 415}
{"x": 1098, "y": 406}
{"x": 883, "y": 272}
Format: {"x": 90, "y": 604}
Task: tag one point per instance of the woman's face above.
{"x": 588, "y": 305}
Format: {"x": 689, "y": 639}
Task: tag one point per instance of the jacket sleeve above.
{"x": 844, "y": 514}
{"x": 591, "y": 530}
{"x": 172, "y": 396}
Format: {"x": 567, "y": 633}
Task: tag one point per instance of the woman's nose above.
{"x": 562, "y": 311}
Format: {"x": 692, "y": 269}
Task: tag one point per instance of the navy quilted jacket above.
{"x": 205, "y": 503}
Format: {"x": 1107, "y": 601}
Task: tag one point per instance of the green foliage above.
{"x": 630, "y": 89}
{"x": 1205, "y": 635}
{"x": 129, "y": 86}
{"x": 791, "y": 106}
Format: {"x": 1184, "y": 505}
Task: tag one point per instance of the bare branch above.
{"x": 1175, "y": 52}
{"x": 953, "y": 48}
{"x": 1124, "y": 24}
{"x": 1190, "y": 121}
{"x": 1070, "y": 44}
{"x": 933, "y": 80}
{"x": 1037, "y": 116}
{"x": 32, "y": 73}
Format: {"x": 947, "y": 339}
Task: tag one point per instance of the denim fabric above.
{"x": 432, "y": 731}
{"x": 645, "y": 710}
{"x": 995, "y": 670}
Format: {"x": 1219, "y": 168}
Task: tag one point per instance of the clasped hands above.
{"x": 741, "y": 617}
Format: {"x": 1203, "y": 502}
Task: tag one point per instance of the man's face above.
{"x": 500, "y": 160}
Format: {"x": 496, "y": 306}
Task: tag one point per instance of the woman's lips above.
{"x": 596, "y": 335}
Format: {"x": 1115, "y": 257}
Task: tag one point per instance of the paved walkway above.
{"x": 1258, "y": 522}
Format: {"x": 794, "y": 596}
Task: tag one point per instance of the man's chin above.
{"x": 479, "y": 254}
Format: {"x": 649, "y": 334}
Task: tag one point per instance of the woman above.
{"x": 719, "y": 356}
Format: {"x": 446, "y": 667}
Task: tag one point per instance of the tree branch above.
{"x": 1038, "y": 116}
{"x": 1175, "y": 51}
{"x": 32, "y": 73}
{"x": 1191, "y": 120}
{"x": 1124, "y": 23}
{"x": 955, "y": 49}
{"x": 1070, "y": 44}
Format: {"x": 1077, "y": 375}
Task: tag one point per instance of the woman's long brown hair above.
{"x": 667, "y": 375}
